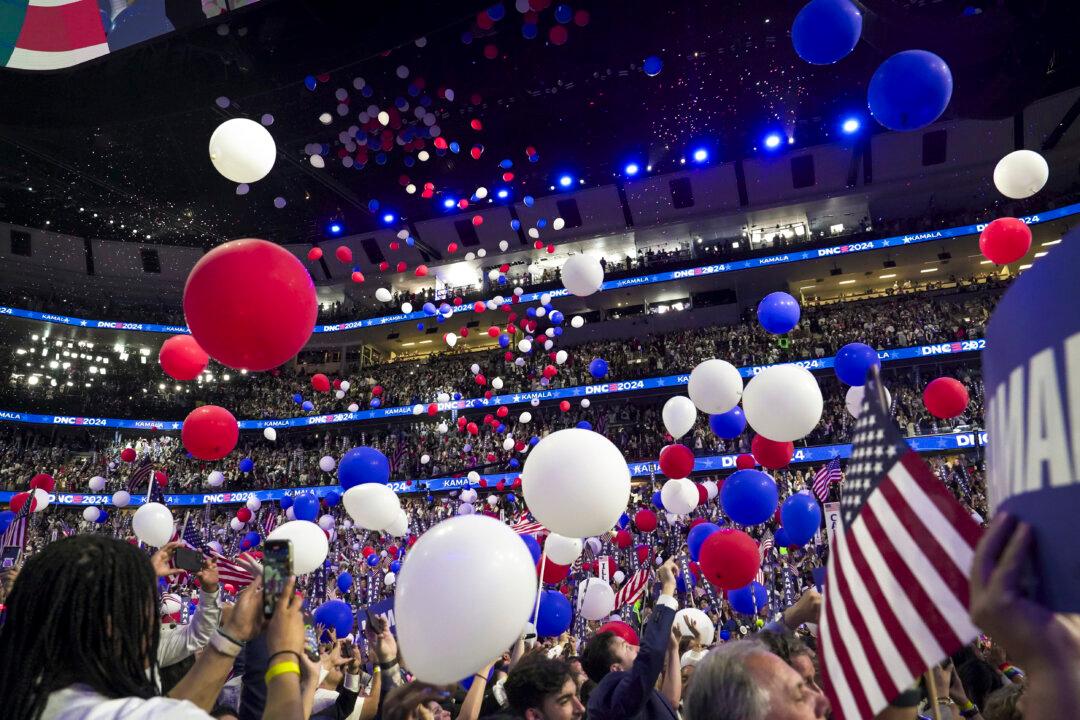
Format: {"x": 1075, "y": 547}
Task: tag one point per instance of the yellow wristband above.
{"x": 281, "y": 668}
{"x": 377, "y": 669}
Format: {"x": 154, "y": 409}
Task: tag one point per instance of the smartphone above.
{"x": 311, "y": 643}
{"x": 187, "y": 559}
{"x": 9, "y": 558}
{"x": 277, "y": 568}
{"x": 374, "y": 622}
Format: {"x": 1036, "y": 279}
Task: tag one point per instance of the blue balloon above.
{"x": 563, "y": 13}
{"x": 853, "y": 361}
{"x": 496, "y": 12}
{"x": 598, "y": 367}
{"x": 309, "y": 82}
{"x": 6, "y": 518}
{"x": 531, "y": 312}
{"x": 395, "y": 566}
{"x": 656, "y": 500}
{"x": 305, "y": 507}
{"x": 344, "y": 581}
{"x": 533, "y": 545}
{"x": 584, "y": 425}
{"x": 373, "y": 559}
{"x": 909, "y": 90}
{"x": 778, "y": 312}
{"x": 298, "y": 398}
{"x": 510, "y": 497}
{"x": 373, "y": 205}
{"x": 781, "y": 538}
{"x": 528, "y": 30}
{"x": 653, "y": 65}
{"x": 725, "y": 634}
{"x": 103, "y": 517}
{"x": 335, "y": 614}
{"x": 624, "y": 520}
{"x": 308, "y": 406}
{"x": 514, "y": 462}
{"x": 286, "y": 502}
{"x": 429, "y": 308}
{"x": 515, "y": 224}
{"x": 332, "y": 498}
{"x": 825, "y": 31}
{"x": 553, "y": 618}
{"x": 250, "y": 540}
{"x": 555, "y": 317}
{"x": 749, "y": 497}
{"x": 529, "y": 200}
{"x": 247, "y": 465}
{"x": 697, "y": 537}
{"x": 363, "y": 465}
{"x": 376, "y": 403}
{"x": 750, "y": 599}
{"x": 728, "y": 425}
{"x": 801, "y": 516}
{"x": 504, "y": 340}
{"x": 457, "y": 396}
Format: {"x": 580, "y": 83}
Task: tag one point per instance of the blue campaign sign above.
{"x": 383, "y": 609}
{"x": 1032, "y": 379}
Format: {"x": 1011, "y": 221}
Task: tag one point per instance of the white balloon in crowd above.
{"x": 594, "y": 545}
{"x": 400, "y": 526}
{"x": 715, "y": 386}
{"x": 290, "y": 514}
{"x": 215, "y": 479}
{"x": 121, "y": 498}
{"x": 339, "y": 394}
{"x": 576, "y": 482}
{"x": 706, "y": 631}
{"x": 353, "y": 407}
{"x": 451, "y": 339}
{"x": 582, "y": 275}
{"x": 474, "y": 477}
{"x": 508, "y": 443}
{"x": 347, "y": 523}
{"x": 561, "y": 357}
{"x": 425, "y": 459}
{"x": 493, "y": 500}
{"x": 577, "y": 321}
{"x": 679, "y": 496}
{"x": 41, "y": 500}
{"x": 417, "y": 409}
{"x": 327, "y": 463}
{"x": 596, "y": 599}
{"x": 242, "y": 150}
{"x": 383, "y": 295}
{"x": 679, "y": 415}
{"x": 170, "y": 604}
{"x": 153, "y": 524}
{"x": 503, "y": 245}
{"x": 854, "y": 398}
{"x": 545, "y": 298}
{"x": 1021, "y": 174}
{"x": 541, "y": 312}
{"x": 586, "y": 403}
{"x": 466, "y": 509}
{"x": 562, "y": 550}
{"x": 783, "y": 402}
{"x": 97, "y": 483}
{"x": 478, "y": 572}
{"x": 710, "y": 489}
{"x": 270, "y": 434}
{"x": 524, "y": 345}
{"x": 389, "y": 579}
{"x": 326, "y": 522}
{"x": 309, "y": 544}
{"x": 406, "y": 307}
{"x": 619, "y": 576}
{"x": 91, "y": 513}
{"x": 497, "y": 383}
{"x": 345, "y": 385}
{"x": 215, "y": 546}
{"x": 474, "y": 369}
{"x": 236, "y": 524}
{"x": 372, "y": 506}
{"x": 442, "y": 428}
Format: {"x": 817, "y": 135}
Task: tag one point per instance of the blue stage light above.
{"x": 449, "y": 203}
{"x": 700, "y": 155}
{"x": 631, "y": 169}
{"x": 389, "y": 218}
{"x": 773, "y": 140}
{"x": 502, "y": 194}
{"x": 850, "y": 126}
{"x": 565, "y": 181}
{"x": 335, "y": 228}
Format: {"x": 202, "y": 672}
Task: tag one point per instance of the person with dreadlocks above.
{"x": 81, "y": 634}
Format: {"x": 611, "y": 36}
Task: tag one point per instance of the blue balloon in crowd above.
{"x": 531, "y": 312}
{"x": 6, "y": 518}
{"x": 656, "y": 500}
{"x": 373, "y": 559}
{"x": 286, "y": 502}
{"x": 598, "y": 368}
{"x": 496, "y": 12}
{"x": 529, "y": 200}
{"x": 554, "y": 614}
{"x": 749, "y": 599}
{"x": 728, "y": 425}
{"x": 825, "y": 31}
{"x": 429, "y": 308}
{"x": 445, "y": 309}
{"x": 376, "y": 403}
{"x": 250, "y": 540}
{"x": 853, "y": 361}
{"x": 697, "y": 536}
{"x": 781, "y": 538}
{"x": 457, "y": 396}
{"x": 528, "y": 30}
{"x": 363, "y": 465}
{"x": 395, "y": 567}
{"x": 558, "y": 331}
{"x": 344, "y": 581}
{"x": 584, "y": 425}
{"x": 103, "y": 517}
{"x": 419, "y": 326}
{"x": 455, "y": 147}
{"x": 624, "y": 520}
{"x": 308, "y": 406}
{"x": 653, "y": 65}
{"x": 247, "y": 465}
{"x": 298, "y": 398}
{"x": 556, "y": 317}
{"x": 306, "y": 507}
{"x": 335, "y": 614}
{"x": 563, "y": 13}
{"x": 541, "y": 223}
{"x": 909, "y": 90}
{"x": 514, "y": 462}
{"x": 778, "y": 313}
{"x": 332, "y": 498}
{"x": 373, "y": 205}
{"x": 533, "y": 545}
{"x": 749, "y": 497}
{"x": 533, "y": 440}
{"x": 801, "y": 516}
{"x": 309, "y": 82}
{"x": 504, "y": 340}
{"x": 725, "y": 634}
{"x": 515, "y": 224}
{"x": 501, "y": 428}
{"x": 510, "y": 497}
{"x": 507, "y": 163}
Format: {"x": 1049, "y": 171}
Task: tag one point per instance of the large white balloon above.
{"x": 679, "y": 496}
{"x": 97, "y": 483}
{"x": 596, "y": 599}
{"x": 121, "y": 498}
{"x": 783, "y": 403}
{"x": 582, "y": 275}
{"x": 215, "y": 479}
{"x": 309, "y": 544}
{"x": 270, "y": 434}
{"x": 327, "y": 464}
{"x": 91, "y": 513}
{"x": 242, "y": 150}
{"x": 469, "y": 584}
{"x": 326, "y": 522}
{"x": 237, "y": 524}
{"x": 383, "y": 295}
{"x": 706, "y": 631}
{"x": 710, "y": 489}
{"x": 40, "y": 501}
{"x": 1021, "y": 174}
{"x": 562, "y": 550}
{"x": 679, "y": 415}
{"x": 855, "y": 394}
{"x": 469, "y": 495}
{"x": 153, "y": 524}
{"x": 400, "y": 526}
{"x": 576, "y": 483}
{"x": 372, "y": 506}
{"x": 715, "y": 386}
{"x": 253, "y": 504}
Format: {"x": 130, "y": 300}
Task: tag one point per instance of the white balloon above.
{"x": 97, "y": 483}
{"x": 326, "y": 522}
{"x": 425, "y": 459}
{"x": 576, "y": 482}
{"x": 1021, "y": 174}
{"x": 493, "y": 500}
{"x": 153, "y": 524}
{"x": 476, "y": 571}
{"x": 400, "y": 526}
{"x": 406, "y": 307}
{"x": 577, "y": 321}
{"x": 679, "y": 496}
{"x": 503, "y": 245}
{"x": 443, "y": 428}
{"x": 417, "y": 409}
{"x": 309, "y": 544}
{"x": 474, "y": 477}
{"x": 582, "y": 275}
{"x": 474, "y": 369}
{"x": 347, "y": 523}
{"x": 508, "y": 443}
{"x": 451, "y": 339}
{"x": 524, "y": 345}
{"x": 705, "y": 628}
{"x": 562, "y": 550}
{"x": 345, "y": 385}
{"x": 469, "y": 494}
{"x": 242, "y": 150}
{"x": 561, "y": 356}
{"x": 594, "y": 545}
{"x": 854, "y": 398}
{"x": 586, "y": 403}
{"x": 91, "y": 513}
{"x": 290, "y": 514}
{"x": 215, "y": 479}
{"x": 121, "y": 498}
{"x": 541, "y": 312}
{"x": 383, "y": 295}
{"x": 237, "y": 524}
{"x": 783, "y": 402}
{"x": 466, "y": 509}
{"x": 710, "y": 488}
{"x": 558, "y": 223}
{"x": 170, "y": 604}
{"x": 327, "y": 463}
{"x": 40, "y": 501}
{"x": 353, "y": 407}
{"x": 596, "y": 599}
{"x": 619, "y": 576}
{"x": 372, "y": 506}
{"x": 254, "y": 504}
{"x": 389, "y": 579}
{"x": 270, "y": 434}
{"x": 545, "y": 298}
{"x": 339, "y": 394}
{"x": 497, "y": 383}
{"x": 715, "y": 386}
{"x": 443, "y": 397}
{"x": 679, "y": 415}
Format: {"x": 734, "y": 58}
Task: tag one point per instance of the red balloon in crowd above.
{"x": 478, "y": 220}
{"x": 43, "y": 481}
{"x": 945, "y": 397}
{"x": 550, "y": 371}
{"x": 565, "y": 406}
{"x": 19, "y": 499}
{"x": 421, "y": 271}
{"x": 314, "y": 254}
{"x": 770, "y": 453}
{"x": 622, "y": 630}
{"x": 623, "y": 539}
{"x": 243, "y": 515}
{"x": 1005, "y": 240}
{"x": 745, "y": 462}
{"x": 209, "y": 432}
{"x": 368, "y": 550}
{"x": 384, "y": 266}
{"x": 642, "y": 553}
{"x": 229, "y": 588}
{"x": 702, "y": 494}
{"x": 358, "y": 277}
{"x": 729, "y": 559}
{"x": 432, "y": 409}
{"x": 320, "y": 382}
{"x": 401, "y": 266}
{"x": 676, "y": 461}
{"x": 161, "y": 478}
{"x": 503, "y": 411}
{"x": 343, "y": 253}
{"x": 392, "y": 551}
{"x": 181, "y": 357}
{"x": 645, "y": 521}
{"x": 452, "y": 248}
{"x": 553, "y": 572}
{"x": 128, "y": 454}
{"x": 377, "y": 390}
{"x": 472, "y": 428}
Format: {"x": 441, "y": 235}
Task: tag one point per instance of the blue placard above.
{"x": 383, "y": 609}
{"x": 1032, "y": 383}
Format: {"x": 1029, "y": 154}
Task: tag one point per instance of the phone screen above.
{"x": 188, "y": 559}
{"x": 311, "y": 643}
{"x": 277, "y": 567}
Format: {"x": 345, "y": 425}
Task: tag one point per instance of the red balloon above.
{"x": 127, "y": 454}
{"x": 377, "y": 390}
{"x": 729, "y": 559}
{"x": 622, "y": 630}
{"x": 231, "y": 589}
{"x": 320, "y": 382}
{"x": 565, "y": 406}
{"x": 702, "y": 494}
{"x": 250, "y": 304}
{"x": 745, "y": 462}
{"x": 19, "y": 499}
{"x": 1005, "y": 240}
{"x": 676, "y": 461}
{"x": 43, "y": 481}
{"x": 473, "y": 428}
{"x": 645, "y": 520}
{"x": 772, "y": 454}
{"x": 358, "y": 277}
{"x": 392, "y": 551}
{"x": 623, "y": 539}
{"x": 243, "y": 515}
{"x": 421, "y": 271}
{"x": 314, "y": 254}
{"x": 161, "y": 478}
{"x": 553, "y": 572}
{"x": 642, "y": 553}
{"x": 343, "y": 253}
{"x": 368, "y": 550}
{"x": 209, "y": 432}
{"x": 181, "y": 357}
{"x": 945, "y": 397}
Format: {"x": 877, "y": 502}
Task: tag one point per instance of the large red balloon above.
{"x": 1005, "y": 240}
{"x": 250, "y": 304}
{"x": 623, "y": 539}
{"x": 945, "y": 397}
{"x": 645, "y": 520}
{"x": 553, "y": 572}
{"x": 18, "y": 500}
{"x": 676, "y": 461}
{"x": 181, "y": 357}
{"x": 127, "y": 454}
{"x": 320, "y": 382}
{"x": 745, "y": 462}
{"x": 729, "y": 559}
{"x": 772, "y": 454}
{"x": 209, "y": 432}
{"x": 43, "y": 481}
{"x": 621, "y": 629}
{"x": 243, "y": 514}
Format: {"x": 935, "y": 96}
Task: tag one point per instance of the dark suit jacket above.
{"x": 632, "y": 695}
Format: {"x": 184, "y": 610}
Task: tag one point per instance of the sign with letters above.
{"x": 832, "y": 520}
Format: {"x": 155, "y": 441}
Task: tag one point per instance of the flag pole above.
{"x": 931, "y": 686}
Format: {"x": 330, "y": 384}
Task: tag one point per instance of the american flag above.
{"x": 231, "y": 572}
{"x": 896, "y": 594}
{"x": 15, "y": 535}
{"x": 825, "y": 477}
{"x": 766, "y": 546}
{"x": 633, "y": 587}
{"x": 524, "y": 525}
{"x": 140, "y": 476}
{"x": 269, "y": 521}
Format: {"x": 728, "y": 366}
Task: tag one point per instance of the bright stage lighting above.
{"x": 850, "y": 126}
{"x": 772, "y": 141}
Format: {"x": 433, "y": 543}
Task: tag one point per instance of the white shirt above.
{"x": 80, "y": 702}
{"x": 179, "y": 642}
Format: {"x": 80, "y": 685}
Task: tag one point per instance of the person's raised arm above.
{"x": 176, "y": 646}
{"x": 285, "y": 643}
{"x": 470, "y": 706}
{"x": 671, "y": 686}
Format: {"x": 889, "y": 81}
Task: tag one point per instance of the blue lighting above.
{"x": 773, "y": 140}
{"x": 631, "y": 169}
{"x": 700, "y": 155}
{"x": 389, "y": 218}
{"x": 449, "y": 203}
{"x": 335, "y": 228}
{"x": 850, "y": 125}
{"x": 502, "y": 194}
{"x": 565, "y": 181}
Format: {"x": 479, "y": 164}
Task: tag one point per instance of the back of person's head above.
{"x": 1002, "y": 703}
{"x": 597, "y": 657}
{"x": 83, "y": 610}
{"x": 724, "y": 688}
{"x": 978, "y": 677}
{"x": 782, "y": 644}
{"x": 533, "y": 679}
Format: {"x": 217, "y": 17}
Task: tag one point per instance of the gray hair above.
{"x": 723, "y": 689}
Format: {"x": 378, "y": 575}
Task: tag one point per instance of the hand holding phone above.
{"x": 277, "y": 569}
{"x": 187, "y": 559}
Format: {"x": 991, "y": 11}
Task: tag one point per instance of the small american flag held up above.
{"x": 15, "y": 535}
{"x": 524, "y": 525}
{"x": 896, "y": 594}
{"x": 825, "y": 477}
{"x": 634, "y": 586}
{"x": 232, "y": 572}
